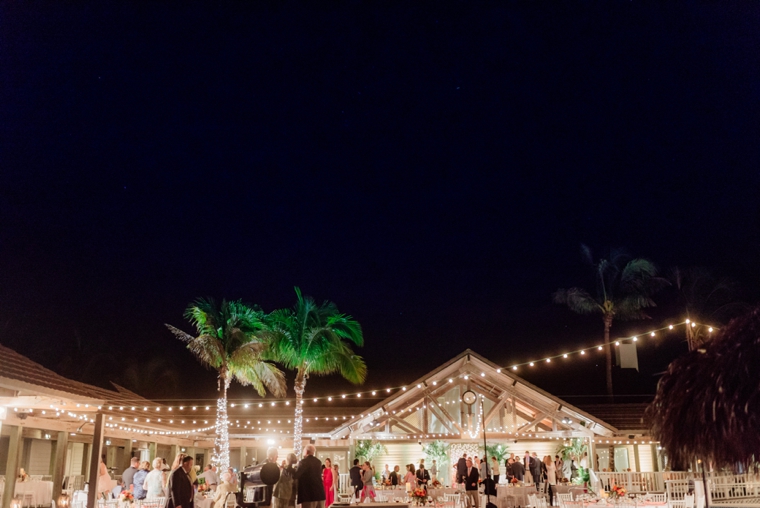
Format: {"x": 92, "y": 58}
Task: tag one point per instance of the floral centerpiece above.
{"x": 617, "y": 492}
{"x": 22, "y": 476}
{"x": 202, "y": 487}
{"x": 436, "y": 484}
{"x": 420, "y": 496}
{"x": 514, "y": 482}
{"x": 126, "y": 496}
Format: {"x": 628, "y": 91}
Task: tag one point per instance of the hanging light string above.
{"x": 194, "y": 405}
{"x": 615, "y": 342}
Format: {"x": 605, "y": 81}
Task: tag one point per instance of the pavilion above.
{"x": 58, "y": 428}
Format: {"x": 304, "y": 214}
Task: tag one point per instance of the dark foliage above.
{"x": 708, "y": 403}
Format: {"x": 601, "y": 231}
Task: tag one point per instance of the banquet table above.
{"x": 520, "y": 495}
{"x": 204, "y": 502}
{"x": 42, "y": 492}
{"x": 377, "y": 505}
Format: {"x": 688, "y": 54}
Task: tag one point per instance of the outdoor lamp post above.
{"x": 63, "y": 501}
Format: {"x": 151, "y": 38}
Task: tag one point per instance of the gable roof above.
{"x": 537, "y": 407}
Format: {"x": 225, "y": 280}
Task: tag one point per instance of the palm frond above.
{"x": 262, "y": 376}
{"x": 707, "y": 405}
{"x": 578, "y": 300}
{"x": 184, "y": 337}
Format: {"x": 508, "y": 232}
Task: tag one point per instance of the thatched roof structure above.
{"x": 708, "y": 403}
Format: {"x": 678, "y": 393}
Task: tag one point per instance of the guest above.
{"x": 233, "y": 478}
{"x": 105, "y": 483}
{"x": 282, "y": 466}
{"x": 393, "y": 477}
{"x": 526, "y": 465}
{"x": 471, "y": 479}
{"x": 551, "y": 476}
{"x": 386, "y": 473}
{"x": 543, "y": 468}
{"x": 327, "y": 481}
{"x": 127, "y": 477}
{"x": 423, "y": 477}
{"x": 355, "y": 473}
{"x": 476, "y": 461}
{"x": 155, "y": 481}
{"x": 138, "y": 480}
{"x": 483, "y": 470}
{"x": 509, "y": 472}
{"x": 461, "y": 468}
{"x": 224, "y": 490}
{"x": 573, "y": 469}
{"x": 177, "y": 461}
{"x": 518, "y": 470}
{"x": 409, "y": 478}
{"x": 284, "y": 492}
{"x": 311, "y": 491}
{"x": 368, "y": 478}
{"x": 535, "y": 469}
{"x": 559, "y": 466}
{"x": 180, "y": 488}
{"x": 495, "y": 470}
{"x": 434, "y": 470}
{"x": 209, "y": 476}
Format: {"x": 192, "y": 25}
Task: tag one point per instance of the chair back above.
{"x": 688, "y": 501}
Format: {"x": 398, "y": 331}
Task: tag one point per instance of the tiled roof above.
{"x": 624, "y": 417}
{"x": 29, "y": 374}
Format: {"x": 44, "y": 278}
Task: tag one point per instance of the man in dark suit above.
{"x": 394, "y": 476}
{"x": 423, "y": 477}
{"x": 311, "y": 491}
{"x": 518, "y": 470}
{"x": 535, "y": 469}
{"x": 180, "y": 487}
{"x": 461, "y": 468}
{"x": 471, "y": 478}
{"x": 356, "y": 478}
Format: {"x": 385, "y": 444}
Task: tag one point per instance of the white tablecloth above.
{"x": 201, "y": 502}
{"x": 519, "y": 493}
{"x": 42, "y": 492}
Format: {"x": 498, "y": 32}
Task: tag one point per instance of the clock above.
{"x": 469, "y": 397}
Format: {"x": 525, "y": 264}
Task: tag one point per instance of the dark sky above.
{"x": 431, "y": 167}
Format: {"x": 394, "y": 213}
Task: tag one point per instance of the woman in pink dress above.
{"x": 327, "y": 481}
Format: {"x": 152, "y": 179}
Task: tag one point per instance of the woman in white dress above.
{"x": 551, "y": 476}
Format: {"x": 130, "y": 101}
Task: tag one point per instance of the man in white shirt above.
{"x": 209, "y": 476}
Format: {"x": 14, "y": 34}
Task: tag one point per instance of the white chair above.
{"x": 564, "y": 498}
{"x": 656, "y": 498}
{"x": 452, "y": 500}
{"x": 230, "y": 501}
{"x": 27, "y": 501}
{"x": 688, "y": 501}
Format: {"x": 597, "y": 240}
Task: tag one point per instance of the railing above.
{"x": 656, "y": 482}
{"x": 344, "y": 483}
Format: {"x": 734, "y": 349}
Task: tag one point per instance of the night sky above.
{"x": 431, "y": 167}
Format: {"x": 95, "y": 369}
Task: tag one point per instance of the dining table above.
{"x": 202, "y": 501}
{"x": 518, "y": 494}
{"x": 41, "y": 492}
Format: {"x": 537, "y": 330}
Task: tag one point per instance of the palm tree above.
{"x": 624, "y": 287}
{"x": 229, "y": 341}
{"x": 314, "y": 340}
{"x": 706, "y": 298}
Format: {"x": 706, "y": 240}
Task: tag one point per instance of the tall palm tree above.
{"x": 229, "y": 341}
{"x": 624, "y": 287}
{"x": 314, "y": 340}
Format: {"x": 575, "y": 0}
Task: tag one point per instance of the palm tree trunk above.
{"x": 222, "y": 440}
{"x": 608, "y": 354}
{"x": 299, "y": 386}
